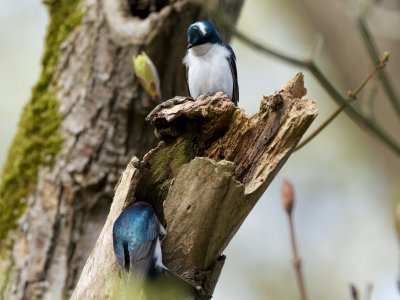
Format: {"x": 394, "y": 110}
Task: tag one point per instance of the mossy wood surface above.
{"x": 204, "y": 177}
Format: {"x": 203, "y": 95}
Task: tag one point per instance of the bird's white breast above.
{"x": 158, "y": 256}
{"x": 209, "y": 71}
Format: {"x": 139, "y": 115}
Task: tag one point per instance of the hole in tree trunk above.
{"x": 142, "y": 8}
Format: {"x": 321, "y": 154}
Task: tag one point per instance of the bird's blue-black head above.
{"x": 202, "y": 32}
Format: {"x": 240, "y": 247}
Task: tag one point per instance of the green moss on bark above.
{"x": 161, "y": 167}
{"x": 37, "y": 141}
{"x": 5, "y": 267}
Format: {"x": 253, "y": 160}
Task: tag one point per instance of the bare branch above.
{"x": 350, "y": 110}
{"x": 374, "y": 55}
{"x": 352, "y": 96}
{"x": 354, "y": 292}
{"x": 288, "y": 201}
{"x": 368, "y": 291}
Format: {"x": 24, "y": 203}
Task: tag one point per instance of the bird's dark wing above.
{"x": 142, "y": 254}
{"x": 232, "y": 64}
{"x": 118, "y": 250}
{"x": 187, "y": 79}
{"x": 141, "y": 258}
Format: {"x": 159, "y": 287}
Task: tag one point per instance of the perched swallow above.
{"x": 210, "y": 63}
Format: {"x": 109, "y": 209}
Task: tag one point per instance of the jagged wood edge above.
{"x": 206, "y": 203}
{"x": 98, "y": 277}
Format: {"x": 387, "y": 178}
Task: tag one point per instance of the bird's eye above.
{"x": 161, "y": 236}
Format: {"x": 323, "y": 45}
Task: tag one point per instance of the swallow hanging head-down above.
{"x": 136, "y": 241}
{"x": 137, "y": 236}
{"x": 210, "y": 63}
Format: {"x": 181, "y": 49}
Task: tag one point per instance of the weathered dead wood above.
{"x": 101, "y": 266}
{"x": 210, "y": 169}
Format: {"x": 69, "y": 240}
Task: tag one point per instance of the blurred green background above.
{"x": 346, "y": 182}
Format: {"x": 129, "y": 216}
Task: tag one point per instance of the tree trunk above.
{"x": 203, "y": 179}
{"x": 84, "y": 122}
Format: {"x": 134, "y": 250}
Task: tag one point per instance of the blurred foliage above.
{"x": 163, "y": 286}
{"x": 147, "y": 75}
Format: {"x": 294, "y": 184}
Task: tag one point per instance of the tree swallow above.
{"x": 210, "y": 63}
{"x": 136, "y": 241}
{"x": 137, "y": 235}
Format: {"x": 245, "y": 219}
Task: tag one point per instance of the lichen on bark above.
{"x": 160, "y": 166}
{"x": 38, "y": 140}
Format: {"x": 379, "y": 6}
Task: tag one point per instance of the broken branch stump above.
{"x": 209, "y": 170}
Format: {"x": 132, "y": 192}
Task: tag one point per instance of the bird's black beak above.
{"x": 189, "y": 46}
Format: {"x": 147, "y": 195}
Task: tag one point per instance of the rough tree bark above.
{"x": 203, "y": 178}
{"x": 98, "y": 109}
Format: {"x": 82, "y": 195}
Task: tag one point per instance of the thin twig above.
{"x": 320, "y": 128}
{"x": 352, "y": 96}
{"x": 354, "y": 114}
{"x": 354, "y": 292}
{"x": 297, "y": 261}
{"x": 368, "y": 291}
{"x": 370, "y": 98}
{"x": 374, "y": 54}
{"x": 379, "y": 66}
{"x": 288, "y": 203}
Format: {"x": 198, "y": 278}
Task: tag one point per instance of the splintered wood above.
{"x": 209, "y": 170}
